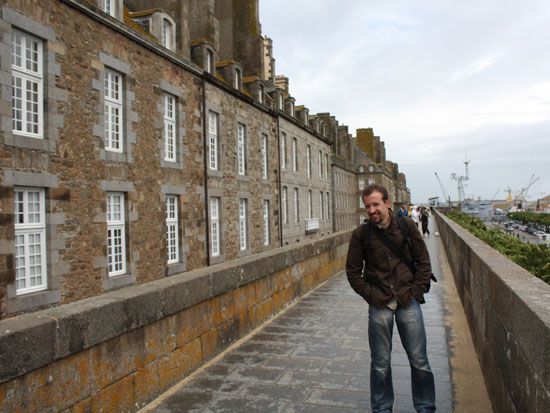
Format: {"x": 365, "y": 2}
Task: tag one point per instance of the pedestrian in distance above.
{"x": 403, "y": 211}
{"x": 424, "y": 217}
{"x": 415, "y": 216}
{"x": 389, "y": 266}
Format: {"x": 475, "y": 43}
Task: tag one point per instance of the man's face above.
{"x": 377, "y": 208}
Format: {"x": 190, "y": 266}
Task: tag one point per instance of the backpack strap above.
{"x": 406, "y": 232}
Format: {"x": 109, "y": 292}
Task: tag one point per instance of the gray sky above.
{"x": 433, "y": 78}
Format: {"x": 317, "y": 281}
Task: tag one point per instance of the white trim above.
{"x": 113, "y": 111}
{"x": 265, "y": 160}
{"x": 285, "y": 205}
{"x": 296, "y": 206}
{"x": 241, "y": 149}
{"x": 320, "y": 165}
{"x": 116, "y": 234}
{"x": 30, "y": 240}
{"x": 213, "y": 123}
{"x": 308, "y": 160}
{"x": 172, "y": 229}
{"x": 243, "y": 230}
{"x": 169, "y": 131}
{"x": 294, "y": 154}
{"x": 283, "y": 150}
{"x": 310, "y": 203}
{"x": 215, "y": 226}
{"x": 27, "y": 80}
{"x": 266, "y": 222}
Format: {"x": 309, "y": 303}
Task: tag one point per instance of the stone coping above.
{"x": 30, "y": 341}
{"x": 508, "y": 310}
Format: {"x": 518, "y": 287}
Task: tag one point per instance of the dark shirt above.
{"x": 391, "y": 277}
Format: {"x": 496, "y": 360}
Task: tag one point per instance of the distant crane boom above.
{"x": 447, "y": 198}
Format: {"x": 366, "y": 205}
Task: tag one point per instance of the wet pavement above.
{"x": 314, "y": 357}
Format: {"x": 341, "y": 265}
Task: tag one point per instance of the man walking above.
{"x": 393, "y": 291}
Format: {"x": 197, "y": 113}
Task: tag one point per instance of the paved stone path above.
{"x": 313, "y": 358}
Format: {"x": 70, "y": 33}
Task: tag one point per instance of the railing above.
{"x": 312, "y": 225}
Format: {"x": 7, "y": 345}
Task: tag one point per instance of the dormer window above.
{"x": 306, "y": 118}
{"x": 291, "y": 109}
{"x": 109, "y": 7}
{"x": 261, "y": 94}
{"x": 167, "y": 34}
{"x": 238, "y": 79}
{"x": 209, "y": 61}
{"x": 281, "y": 104}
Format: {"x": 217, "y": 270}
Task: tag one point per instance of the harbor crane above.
{"x": 460, "y": 181}
{"x": 520, "y": 197}
{"x": 447, "y": 197}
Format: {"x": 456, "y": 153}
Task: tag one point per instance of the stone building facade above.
{"x": 144, "y": 138}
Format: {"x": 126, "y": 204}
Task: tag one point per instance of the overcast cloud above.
{"x": 433, "y": 78}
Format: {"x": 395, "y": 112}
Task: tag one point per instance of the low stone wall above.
{"x": 117, "y": 351}
{"x": 508, "y": 311}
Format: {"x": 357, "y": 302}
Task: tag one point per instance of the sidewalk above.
{"x": 314, "y": 357}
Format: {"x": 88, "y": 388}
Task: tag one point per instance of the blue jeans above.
{"x": 410, "y": 325}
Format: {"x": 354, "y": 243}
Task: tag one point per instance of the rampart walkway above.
{"x": 314, "y": 357}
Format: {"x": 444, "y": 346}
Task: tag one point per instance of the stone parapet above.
{"x": 508, "y": 311}
{"x": 119, "y": 350}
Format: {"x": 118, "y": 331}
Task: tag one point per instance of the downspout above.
{"x": 205, "y": 158}
{"x": 279, "y": 179}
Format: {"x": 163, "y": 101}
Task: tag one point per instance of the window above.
{"x": 167, "y": 34}
{"x": 310, "y": 204}
{"x": 116, "y": 233}
{"x": 238, "y": 79}
{"x": 328, "y": 206}
{"x": 242, "y": 224}
{"x": 109, "y": 7}
{"x": 264, "y": 157}
{"x": 30, "y": 240}
{"x": 281, "y": 102}
{"x": 361, "y": 202}
{"x": 213, "y": 140}
{"x": 172, "y": 229}
{"x": 284, "y": 202}
{"x": 27, "y": 85}
{"x": 326, "y": 166}
{"x": 283, "y": 150}
{"x": 209, "y": 61}
{"x": 241, "y": 149}
{"x": 308, "y": 160}
{"x": 294, "y": 154}
{"x": 306, "y": 118}
{"x": 169, "y": 127}
{"x": 361, "y": 183}
{"x": 215, "y": 226}
{"x": 320, "y": 165}
{"x": 296, "y": 206}
{"x": 322, "y": 204}
{"x": 291, "y": 109}
{"x": 113, "y": 110}
{"x": 261, "y": 94}
{"x": 266, "y": 222}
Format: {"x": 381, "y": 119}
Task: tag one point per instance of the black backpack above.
{"x": 365, "y": 232}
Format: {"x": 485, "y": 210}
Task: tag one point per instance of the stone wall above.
{"x": 117, "y": 351}
{"x": 508, "y": 311}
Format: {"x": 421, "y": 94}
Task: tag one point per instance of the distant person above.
{"x": 415, "y": 216}
{"x": 403, "y": 212}
{"x": 394, "y": 291}
{"x": 424, "y": 217}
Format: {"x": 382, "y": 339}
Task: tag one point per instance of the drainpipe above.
{"x": 205, "y": 159}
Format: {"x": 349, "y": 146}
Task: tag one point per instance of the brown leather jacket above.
{"x": 391, "y": 276}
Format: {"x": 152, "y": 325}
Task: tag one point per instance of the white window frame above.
{"x": 30, "y": 240}
{"x": 209, "y": 61}
{"x": 265, "y": 160}
{"x": 116, "y": 223}
{"x": 241, "y": 149}
{"x": 281, "y": 101}
{"x": 261, "y": 94}
{"x": 310, "y": 203}
{"x": 326, "y": 166}
{"x": 243, "y": 225}
{"x": 213, "y": 123}
{"x": 308, "y": 160}
{"x": 361, "y": 184}
{"x": 294, "y": 154}
{"x": 296, "y": 205}
{"x": 215, "y": 226}
{"x": 27, "y": 78}
{"x": 267, "y": 234}
{"x": 328, "y": 205}
{"x": 283, "y": 150}
{"x": 109, "y": 7}
{"x": 170, "y": 141}
{"x": 167, "y": 34}
{"x": 322, "y": 204}
{"x": 238, "y": 78}
{"x": 320, "y": 165}
{"x": 172, "y": 229}
{"x": 113, "y": 111}
{"x": 284, "y": 202}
